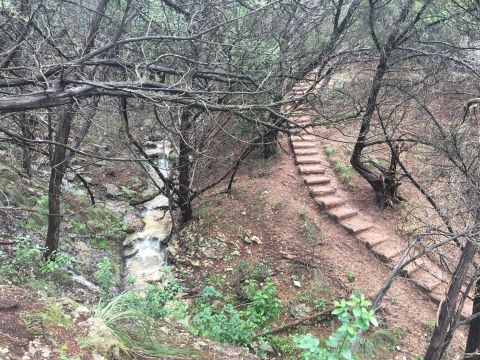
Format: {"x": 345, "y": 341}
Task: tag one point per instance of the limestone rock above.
{"x": 111, "y": 190}
{"x": 299, "y": 311}
{"x": 101, "y": 340}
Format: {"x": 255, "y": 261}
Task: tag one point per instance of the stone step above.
{"x": 304, "y": 137}
{"x": 387, "y": 250}
{"x": 427, "y": 281}
{"x": 304, "y": 119}
{"x": 371, "y": 238}
{"x": 414, "y": 266}
{"x": 307, "y": 151}
{"x": 316, "y": 180}
{"x": 308, "y": 159}
{"x": 356, "y": 225}
{"x": 303, "y": 144}
{"x": 342, "y": 213}
{"x": 330, "y": 201}
{"x": 321, "y": 190}
{"x": 299, "y": 112}
{"x": 311, "y": 169}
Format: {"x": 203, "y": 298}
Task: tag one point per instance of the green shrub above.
{"x": 235, "y": 324}
{"x": 345, "y": 172}
{"x": 355, "y": 317}
{"x": 27, "y": 262}
{"x": 329, "y": 151}
{"x": 105, "y": 276}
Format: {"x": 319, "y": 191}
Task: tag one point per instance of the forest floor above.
{"x": 269, "y": 218}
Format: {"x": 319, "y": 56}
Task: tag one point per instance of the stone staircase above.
{"x": 315, "y": 169}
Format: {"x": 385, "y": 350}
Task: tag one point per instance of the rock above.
{"x": 69, "y": 176}
{"x": 88, "y": 179}
{"x": 81, "y": 313}
{"x": 296, "y": 283}
{"x": 132, "y": 224}
{"x": 299, "y": 311}
{"x": 80, "y": 279}
{"x": 248, "y": 238}
{"x": 111, "y": 190}
{"x": 102, "y": 340}
{"x": 130, "y": 252}
{"x": 155, "y": 138}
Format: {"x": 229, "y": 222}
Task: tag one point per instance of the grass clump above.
{"x": 128, "y": 323}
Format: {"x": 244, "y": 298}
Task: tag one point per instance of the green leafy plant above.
{"x": 127, "y": 192}
{"x": 58, "y": 263}
{"x": 227, "y": 323}
{"x": 105, "y": 276}
{"x": 329, "y": 151}
{"x": 355, "y": 317}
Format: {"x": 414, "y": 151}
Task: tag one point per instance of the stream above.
{"x": 143, "y": 251}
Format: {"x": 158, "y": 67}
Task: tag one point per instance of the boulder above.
{"x": 111, "y": 190}
{"x": 299, "y": 311}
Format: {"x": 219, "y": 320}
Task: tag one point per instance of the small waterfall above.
{"x": 143, "y": 250}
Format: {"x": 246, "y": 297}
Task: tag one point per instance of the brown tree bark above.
{"x": 473, "y": 339}
{"x": 58, "y": 165}
{"x": 184, "y": 166}
{"x": 449, "y": 311}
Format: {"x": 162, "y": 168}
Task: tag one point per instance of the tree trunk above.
{"x": 473, "y": 339}
{"x": 58, "y": 166}
{"x": 447, "y": 316}
{"x": 385, "y": 188}
{"x": 270, "y": 144}
{"x": 28, "y": 128}
{"x": 184, "y": 166}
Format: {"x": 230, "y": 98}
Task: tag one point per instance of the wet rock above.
{"x": 299, "y": 311}
{"x": 155, "y": 138}
{"x": 111, "y": 190}
{"x": 132, "y": 224}
{"x": 69, "y": 176}
{"x": 130, "y": 252}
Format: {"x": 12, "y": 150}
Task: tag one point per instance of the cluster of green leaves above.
{"x": 27, "y": 262}
{"x": 219, "y": 319}
{"x": 355, "y": 317}
{"x": 105, "y": 276}
{"x": 38, "y": 219}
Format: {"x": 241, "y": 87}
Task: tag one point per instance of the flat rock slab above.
{"x": 303, "y": 144}
{"x": 386, "y": 250}
{"x": 311, "y": 169}
{"x": 330, "y": 201}
{"x": 427, "y": 281}
{"x": 342, "y": 213}
{"x": 414, "y": 266}
{"x": 308, "y": 159}
{"x": 308, "y": 151}
{"x": 316, "y": 180}
{"x": 321, "y": 190}
{"x": 371, "y": 238}
{"x": 356, "y": 225}
{"x": 305, "y": 137}
{"x": 304, "y": 119}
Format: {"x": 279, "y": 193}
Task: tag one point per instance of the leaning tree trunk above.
{"x": 447, "y": 315}
{"x": 58, "y": 165}
{"x": 385, "y": 187}
{"x": 185, "y": 151}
